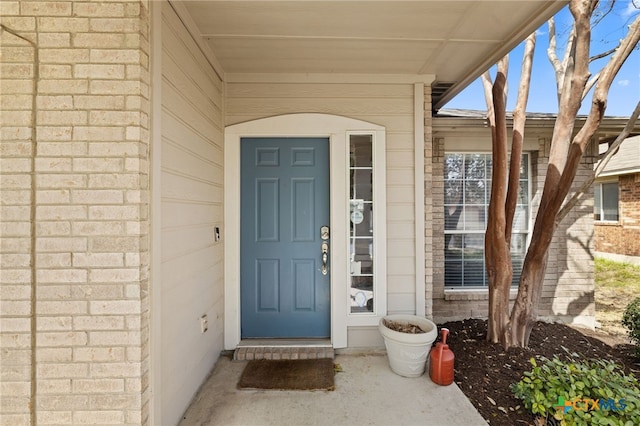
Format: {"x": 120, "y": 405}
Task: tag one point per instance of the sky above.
{"x": 625, "y": 90}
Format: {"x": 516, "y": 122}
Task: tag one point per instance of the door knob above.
{"x": 325, "y": 257}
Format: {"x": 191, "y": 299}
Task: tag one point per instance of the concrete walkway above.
{"x": 621, "y": 258}
{"x": 367, "y": 393}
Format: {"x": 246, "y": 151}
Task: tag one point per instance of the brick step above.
{"x": 250, "y": 350}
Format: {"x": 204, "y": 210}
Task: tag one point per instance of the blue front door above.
{"x": 285, "y": 288}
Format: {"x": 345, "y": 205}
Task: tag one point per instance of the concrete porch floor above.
{"x": 367, "y": 393}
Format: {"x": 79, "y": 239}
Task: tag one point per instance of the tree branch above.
{"x": 553, "y": 56}
{"x": 519, "y": 120}
{"x": 598, "y": 105}
{"x": 503, "y": 68}
{"x": 562, "y": 150}
{"x": 592, "y": 81}
{"x": 568, "y": 57}
{"x": 603, "y": 54}
{"x": 611, "y": 151}
{"x": 487, "y": 84}
{"x": 604, "y": 14}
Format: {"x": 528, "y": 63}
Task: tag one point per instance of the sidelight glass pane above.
{"x": 361, "y": 256}
{"x": 361, "y": 150}
{"x": 362, "y": 184}
{"x": 365, "y": 216}
{"x": 361, "y": 250}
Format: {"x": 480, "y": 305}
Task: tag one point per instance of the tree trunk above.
{"x": 525, "y": 309}
{"x": 567, "y": 148}
{"x": 564, "y": 161}
{"x": 497, "y": 250}
{"x": 504, "y": 192}
{"x": 500, "y": 272}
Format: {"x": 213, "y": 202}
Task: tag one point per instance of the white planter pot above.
{"x": 408, "y": 352}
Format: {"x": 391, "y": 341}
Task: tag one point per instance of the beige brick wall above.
{"x": 437, "y": 222}
{"x": 568, "y": 292}
{"x": 17, "y": 96}
{"x": 74, "y": 303}
{"x": 429, "y": 229}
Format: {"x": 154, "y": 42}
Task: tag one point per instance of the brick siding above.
{"x": 623, "y": 237}
{"x": 74, "y": 304}
{"x": 429, "y": 204}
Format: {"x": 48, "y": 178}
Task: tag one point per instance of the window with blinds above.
{"x": 466, "y": 199}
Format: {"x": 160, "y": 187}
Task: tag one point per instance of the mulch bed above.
{"x": 485, "y": 372}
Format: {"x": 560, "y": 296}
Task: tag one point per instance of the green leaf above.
{"x": 541, "y": 388}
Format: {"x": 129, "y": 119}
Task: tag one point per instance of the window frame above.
{"x": 598, "y": 190}
{"x": 379, "y": 237}
{"x": 526, "y": 232}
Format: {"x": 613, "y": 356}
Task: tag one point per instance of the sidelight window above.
{"x": 362, "y": 245}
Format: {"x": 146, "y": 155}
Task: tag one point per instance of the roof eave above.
{"x": 546, "y": 11}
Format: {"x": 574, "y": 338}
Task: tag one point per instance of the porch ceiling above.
{"x": 454, "y": 41}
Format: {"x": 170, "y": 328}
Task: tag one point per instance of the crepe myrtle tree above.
{"x": 568, "y": 143}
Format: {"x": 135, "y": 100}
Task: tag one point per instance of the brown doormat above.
{"x": 305, "y": 374}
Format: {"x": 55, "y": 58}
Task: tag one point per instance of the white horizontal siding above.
{"x": 191, "y": 274}
{"x": 388, "y": 105}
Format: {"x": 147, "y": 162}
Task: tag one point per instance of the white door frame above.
{"x": 298, "y": 125}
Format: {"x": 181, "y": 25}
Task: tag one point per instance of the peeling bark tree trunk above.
{"x": 496, "y": 244}
{"x": 504, "y": 192}
{"x": 566, "y": 152}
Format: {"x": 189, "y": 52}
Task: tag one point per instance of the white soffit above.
{"x": 453, "y": 40}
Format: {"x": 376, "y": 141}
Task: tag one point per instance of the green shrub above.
{"x": 580, "y": 392}
{"x": 631, "y": 320}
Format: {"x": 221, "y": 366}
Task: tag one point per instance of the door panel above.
{"x": 284, "y": 203}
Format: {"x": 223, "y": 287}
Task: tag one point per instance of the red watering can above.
{"x": 441, "y": 361}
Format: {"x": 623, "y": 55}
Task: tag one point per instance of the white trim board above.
{"x": 426, "y": 79}
{"x": 336, "y": 129}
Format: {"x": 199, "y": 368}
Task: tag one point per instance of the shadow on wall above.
{"x": 575, "y": 271}
{"x": 580, "y": 305}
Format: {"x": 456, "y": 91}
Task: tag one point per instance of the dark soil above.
{"x": 485, "y": 372}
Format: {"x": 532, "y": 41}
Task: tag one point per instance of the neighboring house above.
{"x": 273, "y": 166}
{"x": 617, "y": 204}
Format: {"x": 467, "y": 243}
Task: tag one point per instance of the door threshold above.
{"x": 277, "y": 349}
{"x": 284, "y": 342}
